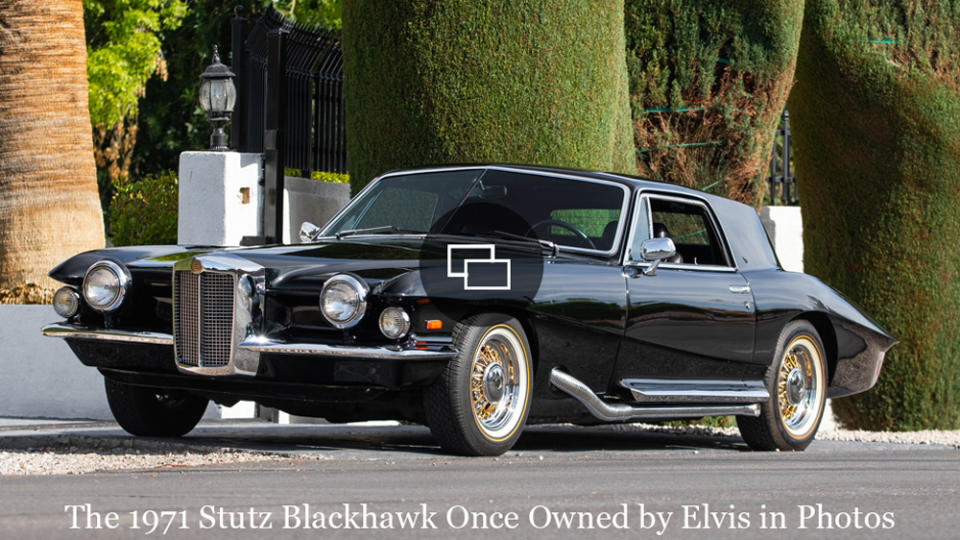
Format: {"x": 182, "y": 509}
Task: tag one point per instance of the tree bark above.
{"x": 49, "y": 208}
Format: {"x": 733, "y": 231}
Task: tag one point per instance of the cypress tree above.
{"x": 876, "y": 116}
{"x": 526, "y": 81}
{"x": 708, "y": 81}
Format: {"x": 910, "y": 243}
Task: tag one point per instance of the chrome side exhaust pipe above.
{"x": 619, "y": 412}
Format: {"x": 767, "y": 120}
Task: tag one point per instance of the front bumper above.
{"x": 260, "y": 345}
{"x": 288, "y": 375}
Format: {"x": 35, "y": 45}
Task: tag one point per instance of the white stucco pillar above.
{"x": 784, "y": 225}
{"x": 220, "y": 197}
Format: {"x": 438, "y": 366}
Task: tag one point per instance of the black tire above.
{"x": 451, "y": 407}
{"x": 790, "y": 417}
{"x": 152, "y": 412}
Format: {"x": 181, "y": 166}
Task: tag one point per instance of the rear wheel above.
{"x": 479, "y": 404}
{"x": 152, "y": 412}
{"x": 797, "y": 383}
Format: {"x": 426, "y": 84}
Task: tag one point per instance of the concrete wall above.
{"x": 39, "y": 376}
{"x": 310, "y": 200}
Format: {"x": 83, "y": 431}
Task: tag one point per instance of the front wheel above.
{"x": 797, "y": 383}
{"x": 152, "y": 412}
{"x": 479, "y": 404}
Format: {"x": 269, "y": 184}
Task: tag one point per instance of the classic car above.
{"x": 477, "y": 300}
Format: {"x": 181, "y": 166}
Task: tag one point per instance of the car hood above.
{"x": 296, "y": 265}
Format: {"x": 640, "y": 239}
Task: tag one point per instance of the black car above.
{"x": 478, "y": 299}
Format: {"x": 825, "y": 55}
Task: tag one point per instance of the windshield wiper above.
{"x": 351, "y": 232}
{"x": 554, "y": 249}
{"x": 376, "y": 230}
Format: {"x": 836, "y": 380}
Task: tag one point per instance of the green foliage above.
{"x": 708, "y": 81}
{"x": 170, "y": 117}
{"x": 145, "y": 212}
{"x": 323, "y": 176}
{"x": 540, "y": 82}
{"x": 324, "y": 13}
{"x": 124, "y": 52}
{"x": 876, "y": 116}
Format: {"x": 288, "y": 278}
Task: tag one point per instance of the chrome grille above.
{"x": 203, "y": 318}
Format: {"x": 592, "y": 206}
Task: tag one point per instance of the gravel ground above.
{"x": 82, "y": 454}
{"x": 79, "y": 454}
{"x": 947, "y": 438}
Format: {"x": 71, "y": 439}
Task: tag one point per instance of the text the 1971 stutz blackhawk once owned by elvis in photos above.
{"x": 478, "y": 299}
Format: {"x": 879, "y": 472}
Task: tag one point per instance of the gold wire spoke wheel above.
{"x": 495, "y": 385}
{"x": 800, "y": 387}
{"x": 479, "y": 404}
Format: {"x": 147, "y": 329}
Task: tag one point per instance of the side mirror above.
{"x": 308, "y": 232}
{"x": 656, "y": 250}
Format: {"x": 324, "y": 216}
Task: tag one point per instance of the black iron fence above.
{"x": 783, "y": 185}
{"x": 289, "y": 103}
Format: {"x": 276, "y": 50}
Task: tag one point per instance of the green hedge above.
{"x": 323, "y": 176}
{"x": 525, "y": 81}
{"x": 708, "y": 81}
{"x": 145, "y": 212}
{"x": 876, "y": 118}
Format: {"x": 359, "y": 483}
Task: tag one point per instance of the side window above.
{"x": 600, "y": 224}
{"x": 690, "y": 227}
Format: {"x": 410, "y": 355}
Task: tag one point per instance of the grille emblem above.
{"x": 196, "y": 266}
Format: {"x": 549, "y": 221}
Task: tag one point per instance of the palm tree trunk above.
{"x": 49, "y": 208}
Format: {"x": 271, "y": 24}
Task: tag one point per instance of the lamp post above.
{"x": 217, "y": 97}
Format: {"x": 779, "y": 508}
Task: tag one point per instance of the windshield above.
{"x": 489, "y": 202}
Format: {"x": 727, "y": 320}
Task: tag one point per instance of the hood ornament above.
{"x": 196, "y": 266}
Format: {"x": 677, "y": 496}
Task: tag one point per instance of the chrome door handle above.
{"x": 740, "y": 289}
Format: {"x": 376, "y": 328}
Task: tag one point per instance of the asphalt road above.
{"x": 558, "y": 482}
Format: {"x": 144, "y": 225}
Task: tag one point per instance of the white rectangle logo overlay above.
{"x": 488, "y": 272}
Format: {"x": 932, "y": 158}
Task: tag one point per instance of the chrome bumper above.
{"x": 258, "y": 345}
{"x": 266, "y": 345}
{"x": 61, "y": 330}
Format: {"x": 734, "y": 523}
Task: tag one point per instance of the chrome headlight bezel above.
{"x": 71, "y": 297}
{"x": 123, "y": 281}
{"x": 397, "y": 314}
{"x": 360, "y": 290}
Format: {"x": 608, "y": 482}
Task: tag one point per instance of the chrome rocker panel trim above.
{"x": 693, "y": 391}
{"x": 63, "y": 330}
{"x": 619, "y": 412}
{"x": 253, "y": 344}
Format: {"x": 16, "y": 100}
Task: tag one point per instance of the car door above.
{"x": 693, "y": 318}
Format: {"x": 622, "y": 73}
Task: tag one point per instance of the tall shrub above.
{"x": 708, "y": 81}
{"x": 876, "y": 113}
{"x": 145, "y": 212}
{"x": 540, "y": 82}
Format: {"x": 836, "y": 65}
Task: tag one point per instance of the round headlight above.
{"x": 105, "y": 285}
{"x": 343, "y": 300}
{"x": 66, "y": 302}
{"x": 394, "y": 322}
